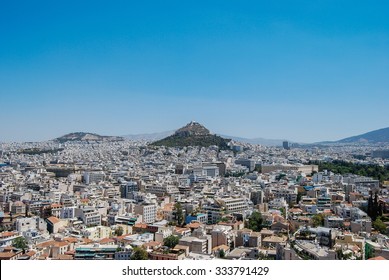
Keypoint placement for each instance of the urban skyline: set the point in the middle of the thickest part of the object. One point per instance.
(306, 73)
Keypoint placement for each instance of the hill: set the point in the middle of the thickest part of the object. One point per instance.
(85, 136)
(193, 134)
(255, 141)
(149, 136)
(160, 135)
(376, 136)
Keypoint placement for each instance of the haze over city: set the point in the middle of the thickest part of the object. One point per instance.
(307, 72)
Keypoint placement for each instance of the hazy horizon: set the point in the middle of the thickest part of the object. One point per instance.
(306, 72)
(172, 130)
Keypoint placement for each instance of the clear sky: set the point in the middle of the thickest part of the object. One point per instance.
(299, 70)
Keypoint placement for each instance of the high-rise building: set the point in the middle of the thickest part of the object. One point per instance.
(127, 190)
(148, 212)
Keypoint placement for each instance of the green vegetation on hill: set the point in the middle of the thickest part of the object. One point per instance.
(193, 140)
(193, 134)
(343, 167)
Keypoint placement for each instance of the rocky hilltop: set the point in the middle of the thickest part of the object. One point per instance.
(193, 134)
(85, 136)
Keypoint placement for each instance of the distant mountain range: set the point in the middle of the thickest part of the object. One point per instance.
(373, 137)
(193, 134)
(256, 141)
(85, 136)
(376, 136)
(149, 136)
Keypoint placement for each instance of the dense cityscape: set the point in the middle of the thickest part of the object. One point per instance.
(120, 199)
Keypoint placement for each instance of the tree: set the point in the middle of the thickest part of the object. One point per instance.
(318, 220)
(254, 222)
(179, 213)
(374, 208)
(20, 243)
(341, 167)
(222, 254)
(171, 241)
(119, 231)
(299, 197)
(139, 254)
(379, 225)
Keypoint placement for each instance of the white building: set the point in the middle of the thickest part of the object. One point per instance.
(67, 212)
(26, 224)
(148, 212)
(89, 215)
(93, 177)
(233, 205)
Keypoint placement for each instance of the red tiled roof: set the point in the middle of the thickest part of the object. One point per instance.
(71, 239)
(56, 205)
(7, 234)
(379, 258)
(106, 240)
(61, 244)
(87, 241)
(30, 253)
(152, 244)
(295, 210)
(53, 220)
(140, 225)
(7, 255)
(193, 225)
(179, 229)
(122, 237)
(46, 244)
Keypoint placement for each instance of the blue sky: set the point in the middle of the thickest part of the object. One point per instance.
(299, 70)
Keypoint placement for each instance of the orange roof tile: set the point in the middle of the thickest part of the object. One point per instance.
(8, 248)
(61, 244)
(152, 244)
(46, 244)
(106, 240)
(379, 258)
(71, 239)
(53, 220)
(87, 241)
(7, 255)
(180, 229)
(122, 237)
(193, 225)
(31, 253)
(221, 247)
(295, 210)
(7, 234)
(56, 205)
(140, 225)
